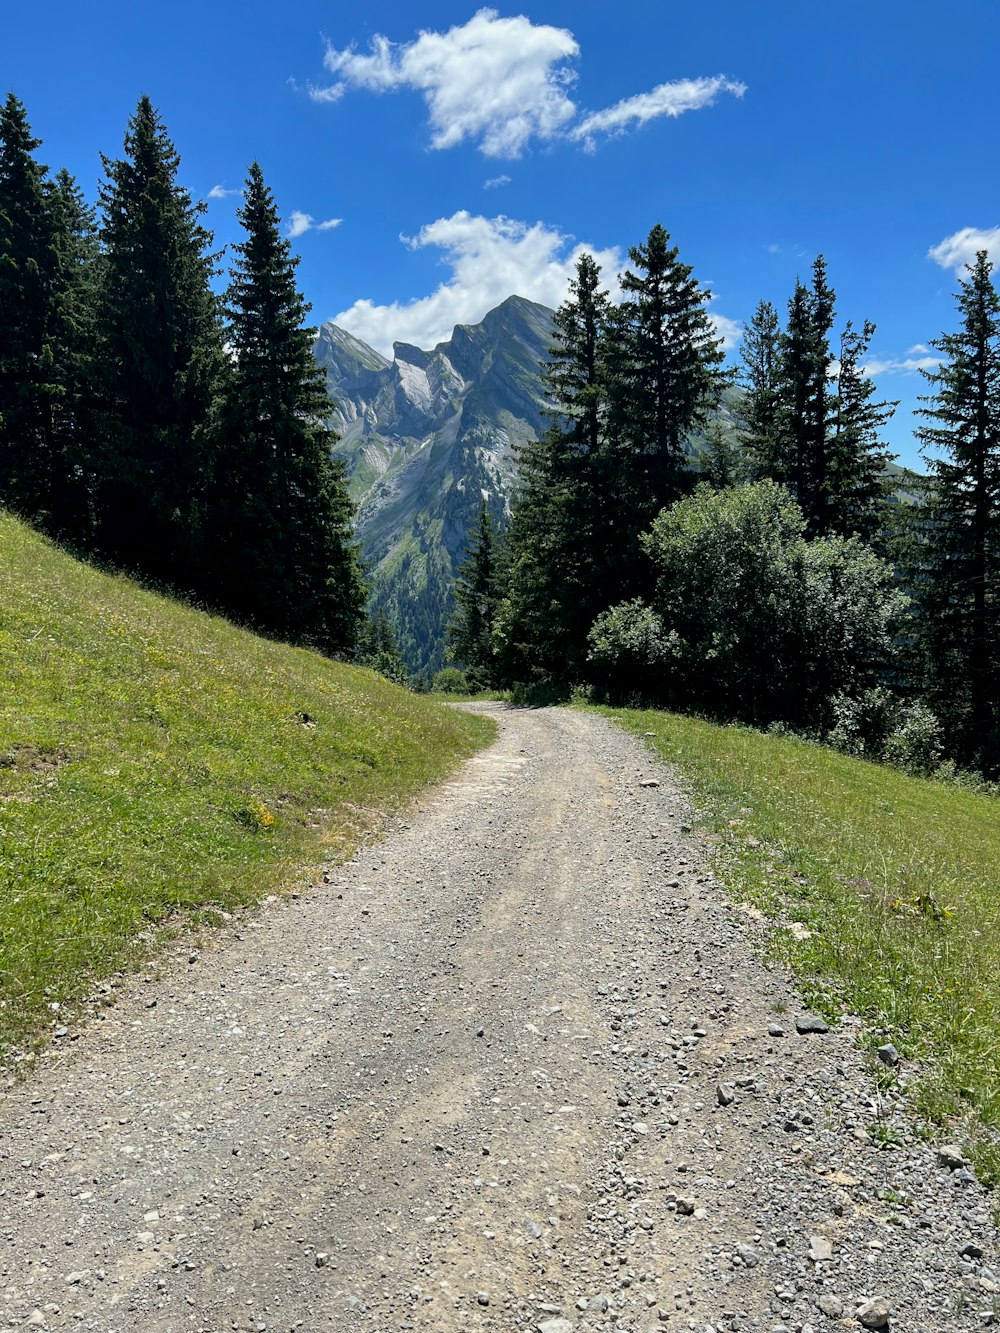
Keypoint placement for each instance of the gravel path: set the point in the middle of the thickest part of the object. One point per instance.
(513, 1067)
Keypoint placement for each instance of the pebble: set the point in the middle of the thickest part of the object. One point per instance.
(810, 1023)
(874, 1313)
(950, 1156)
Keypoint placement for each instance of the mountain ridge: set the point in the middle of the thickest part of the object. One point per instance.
(426, 437)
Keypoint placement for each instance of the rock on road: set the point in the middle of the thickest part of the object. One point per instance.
(517, 1066)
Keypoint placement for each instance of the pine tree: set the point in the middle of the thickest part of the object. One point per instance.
(378, 648)
(28, 272)
(961, 584)
(470, 630)
(858, 457)
(158, 362)
(809, 422)
(665, 359)
(722, 462)
(562, 540)
(759, 415)
(47, 268)
(281, 521)
(803, 461)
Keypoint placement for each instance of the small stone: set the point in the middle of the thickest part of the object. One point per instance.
(73, 1279)
(598, 1303)
(322, 1258)
(820, 1249)
(888, 1054)
(482, 1298)
(970, 1250)
(650, 782)
(555, 1326)
(873, 1313)
(685, 1207)
(806, 1023)
(35, 1320)
(950, 1156)
(725, 1095)
(749, 1255)
(775, 1030)
(831, 1306)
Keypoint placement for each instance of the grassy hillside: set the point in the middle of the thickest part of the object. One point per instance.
(895, 881)
(156, 760)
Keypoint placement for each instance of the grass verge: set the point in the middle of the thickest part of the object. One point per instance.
(159, 763)
(896, 881)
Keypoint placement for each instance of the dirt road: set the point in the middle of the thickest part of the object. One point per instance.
(514, 1067)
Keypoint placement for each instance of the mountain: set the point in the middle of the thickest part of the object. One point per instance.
(426, 437)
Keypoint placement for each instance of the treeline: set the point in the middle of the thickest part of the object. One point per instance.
(739, 549)
(144, 419)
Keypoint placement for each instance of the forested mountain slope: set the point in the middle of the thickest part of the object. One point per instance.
(426, 437)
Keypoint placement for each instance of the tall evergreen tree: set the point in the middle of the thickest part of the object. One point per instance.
(806, 399)
(562, 543)
(857, 454)
(29, 265)
(665, 358)
(281, 521)
(808, 419)
(47, 264)
(158, 359)
(470, 630)
(759, 415)
(960, 589)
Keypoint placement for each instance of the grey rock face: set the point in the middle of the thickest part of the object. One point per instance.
(426, 437)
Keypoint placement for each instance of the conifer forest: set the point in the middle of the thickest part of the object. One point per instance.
(726, 540)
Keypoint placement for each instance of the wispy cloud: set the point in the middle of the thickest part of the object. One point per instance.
(961, 247)
(496, 182)
(299, 223)
(668, 99)
(906, 365)
(503, 82)
(220, 192)
(490, 259)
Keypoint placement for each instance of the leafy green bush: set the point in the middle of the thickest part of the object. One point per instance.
(629, 643)
(882, 727)
(749, 620)
(451, 680)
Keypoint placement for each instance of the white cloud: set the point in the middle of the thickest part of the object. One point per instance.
(220, 192)
(502, 82)
(907, 365)
(497, 81)
(496, 182)
(490, 259)
(729, 330)
(961, 247)
(299, 223)
(668, 99)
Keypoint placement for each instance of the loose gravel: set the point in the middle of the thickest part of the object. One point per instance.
(517, 1066)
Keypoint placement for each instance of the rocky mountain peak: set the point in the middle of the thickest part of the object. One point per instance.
(426, 436)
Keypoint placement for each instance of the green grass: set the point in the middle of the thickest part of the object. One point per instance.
(897, 879)
(157, 762)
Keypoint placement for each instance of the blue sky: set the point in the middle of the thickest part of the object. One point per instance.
(458, 154)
